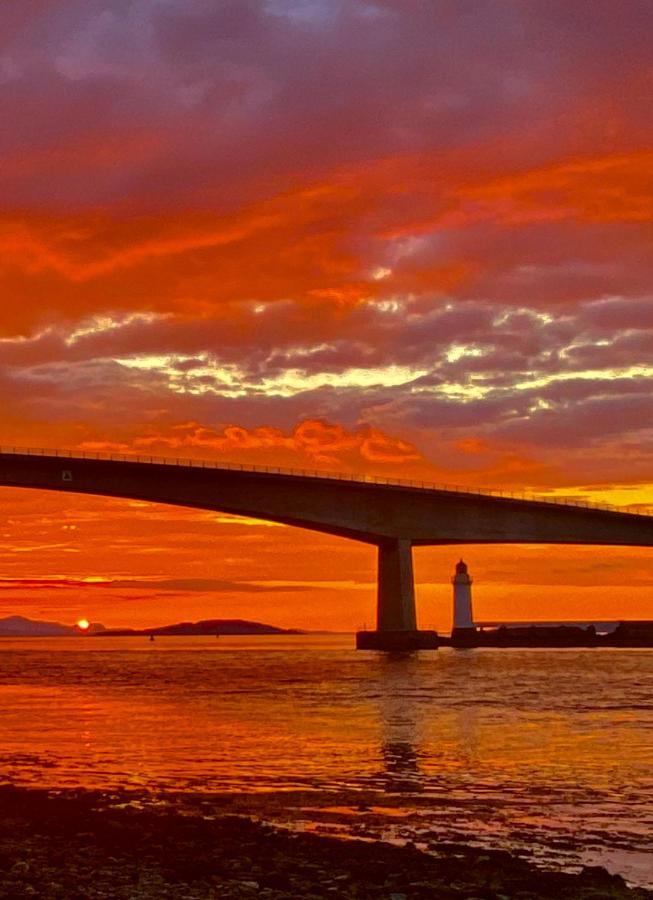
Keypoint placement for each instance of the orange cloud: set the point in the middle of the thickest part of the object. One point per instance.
(614, 188)
(312, 441)
(319, 241)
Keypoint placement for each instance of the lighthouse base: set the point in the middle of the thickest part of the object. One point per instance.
(397, 640)
(465, 637)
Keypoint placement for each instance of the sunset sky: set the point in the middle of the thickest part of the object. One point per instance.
(404, 237)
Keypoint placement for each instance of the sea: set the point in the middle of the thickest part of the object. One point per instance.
(547, 753)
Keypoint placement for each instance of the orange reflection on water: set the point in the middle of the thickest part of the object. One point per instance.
(542, 744)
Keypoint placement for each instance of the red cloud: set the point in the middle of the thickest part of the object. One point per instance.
(313, 441)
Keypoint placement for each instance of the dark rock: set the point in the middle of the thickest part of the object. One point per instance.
(600, 875)
(70, 846)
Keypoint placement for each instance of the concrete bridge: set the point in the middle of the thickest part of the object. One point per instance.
(393, 516)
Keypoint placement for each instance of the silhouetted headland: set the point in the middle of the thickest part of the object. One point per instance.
(203, 627)
(20, 626)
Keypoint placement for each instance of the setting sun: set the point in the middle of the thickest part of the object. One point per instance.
(83, 624)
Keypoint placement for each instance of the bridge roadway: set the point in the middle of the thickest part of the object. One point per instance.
(393, 516)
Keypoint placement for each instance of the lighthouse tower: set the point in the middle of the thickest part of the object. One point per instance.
(462, 598)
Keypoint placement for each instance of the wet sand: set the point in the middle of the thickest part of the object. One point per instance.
(80, 845)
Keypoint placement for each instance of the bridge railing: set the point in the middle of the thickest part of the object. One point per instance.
(317, 473)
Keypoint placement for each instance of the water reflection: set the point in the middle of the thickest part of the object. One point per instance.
(400, 722)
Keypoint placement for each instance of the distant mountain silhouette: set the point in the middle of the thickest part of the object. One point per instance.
(19, 626)
(205, 626)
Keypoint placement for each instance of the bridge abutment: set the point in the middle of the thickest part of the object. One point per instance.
(396, 619)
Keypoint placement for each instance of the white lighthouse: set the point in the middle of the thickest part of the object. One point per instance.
(462, 597)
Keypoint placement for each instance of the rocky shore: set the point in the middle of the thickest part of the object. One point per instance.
(82, 845)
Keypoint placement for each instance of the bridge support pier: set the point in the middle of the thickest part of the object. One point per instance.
(395, 598)
(396, 621)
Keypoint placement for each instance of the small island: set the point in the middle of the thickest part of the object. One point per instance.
(203, 627)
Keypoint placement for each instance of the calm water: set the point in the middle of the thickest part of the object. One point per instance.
(547, 751)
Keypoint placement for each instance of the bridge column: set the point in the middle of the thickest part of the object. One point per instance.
(396, 621)
(395, 604)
